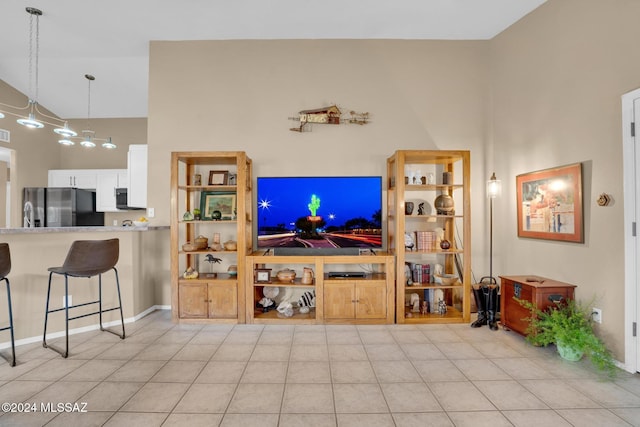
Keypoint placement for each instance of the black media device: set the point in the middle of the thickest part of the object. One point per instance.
(346, 274)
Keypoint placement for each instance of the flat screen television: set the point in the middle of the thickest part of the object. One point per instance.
(326, 214)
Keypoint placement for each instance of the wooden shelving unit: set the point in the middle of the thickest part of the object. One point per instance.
(363, 300)
(456, 228)
(213, 296)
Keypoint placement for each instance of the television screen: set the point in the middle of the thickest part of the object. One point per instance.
(319, 212)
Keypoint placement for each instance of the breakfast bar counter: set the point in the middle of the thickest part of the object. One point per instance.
(143, 269)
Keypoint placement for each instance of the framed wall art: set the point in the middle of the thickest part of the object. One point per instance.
(215, 205)
(218, 177)
(550, 204)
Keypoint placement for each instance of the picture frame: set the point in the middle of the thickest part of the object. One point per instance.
(232, 179)
(549, 204)
(262, 275)
(223, 202)
(218, 177)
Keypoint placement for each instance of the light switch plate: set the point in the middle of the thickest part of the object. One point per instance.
(151, 212)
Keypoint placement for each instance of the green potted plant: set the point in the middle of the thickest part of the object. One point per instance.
(568, 325)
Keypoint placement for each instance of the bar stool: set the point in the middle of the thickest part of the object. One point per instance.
(5, 268)
(86, 258)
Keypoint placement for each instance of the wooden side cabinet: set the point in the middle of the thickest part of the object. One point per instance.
(212, 300)
(540, 291)
(353, 300)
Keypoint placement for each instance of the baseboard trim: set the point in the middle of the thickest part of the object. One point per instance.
(88, 328)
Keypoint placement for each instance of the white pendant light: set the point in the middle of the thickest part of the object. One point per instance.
(65, 131)
(87, 142)
(108, 144)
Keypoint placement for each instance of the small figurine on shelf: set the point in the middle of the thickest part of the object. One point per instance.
(442, 307)
(415, 303)
(424, 307)
(408, 241)
(212, 260)
(421, 209)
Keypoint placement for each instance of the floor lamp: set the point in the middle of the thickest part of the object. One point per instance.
(494, 189)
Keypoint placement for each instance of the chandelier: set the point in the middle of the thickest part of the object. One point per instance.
(30, 115)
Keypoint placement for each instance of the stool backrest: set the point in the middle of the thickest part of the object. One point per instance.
(92, 257)
(5, 260)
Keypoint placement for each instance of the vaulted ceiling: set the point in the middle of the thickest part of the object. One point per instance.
(110, 39)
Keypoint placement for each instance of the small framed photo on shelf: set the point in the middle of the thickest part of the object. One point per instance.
(215, 205)
(218, 177)
(232, 179)
(262, 275)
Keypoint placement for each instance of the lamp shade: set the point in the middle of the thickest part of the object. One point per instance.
(494, 187)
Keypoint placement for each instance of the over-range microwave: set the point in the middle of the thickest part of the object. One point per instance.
(122, 200)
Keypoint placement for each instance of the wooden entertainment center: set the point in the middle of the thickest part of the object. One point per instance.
(229, 288)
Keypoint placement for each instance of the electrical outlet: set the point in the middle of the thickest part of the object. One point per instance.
(64, 301)
(151, 212)
(596, 315)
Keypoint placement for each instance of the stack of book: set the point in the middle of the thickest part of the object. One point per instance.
(421, 273)
(425, 240)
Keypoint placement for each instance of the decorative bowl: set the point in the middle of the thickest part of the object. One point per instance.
(232, 270)
(189, 246)
(447, 279)
(230, 245)
(202, 242)
(286, 275)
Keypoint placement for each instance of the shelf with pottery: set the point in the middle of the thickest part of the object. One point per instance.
(354, 300)
(221, 238)
(443, 217)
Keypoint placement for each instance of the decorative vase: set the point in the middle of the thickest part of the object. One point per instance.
(408, 208)
(444, 204)
(568, 353)
(445, 245)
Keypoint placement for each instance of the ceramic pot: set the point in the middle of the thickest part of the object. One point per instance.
(568, 353)
(286, 275)
(307, 276)
(408, 208)
(444, 204)
(445, 245)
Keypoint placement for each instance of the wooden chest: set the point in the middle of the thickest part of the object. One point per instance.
(538, 290)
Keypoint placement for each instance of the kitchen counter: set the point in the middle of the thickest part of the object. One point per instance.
(85, 229)
(143, 269)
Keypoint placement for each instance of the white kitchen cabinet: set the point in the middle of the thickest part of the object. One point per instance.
(75, 178)
(107, 182)
(137, 169)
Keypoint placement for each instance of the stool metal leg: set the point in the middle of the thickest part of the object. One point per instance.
(64, 353)
(46, 313)
(122, 336)
(10, 327)
(119, 302)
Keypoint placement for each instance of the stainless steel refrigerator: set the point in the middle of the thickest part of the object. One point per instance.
(60, 207)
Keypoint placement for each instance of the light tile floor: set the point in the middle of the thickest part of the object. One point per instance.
(165, 374)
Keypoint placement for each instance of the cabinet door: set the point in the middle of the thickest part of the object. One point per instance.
(137, 167)
(60, 178)
(339, 300)
(223, 301)
(106, 192)
(74, 178)
(371, 300)
(86, 179)
(192, 300)
(107, 182)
